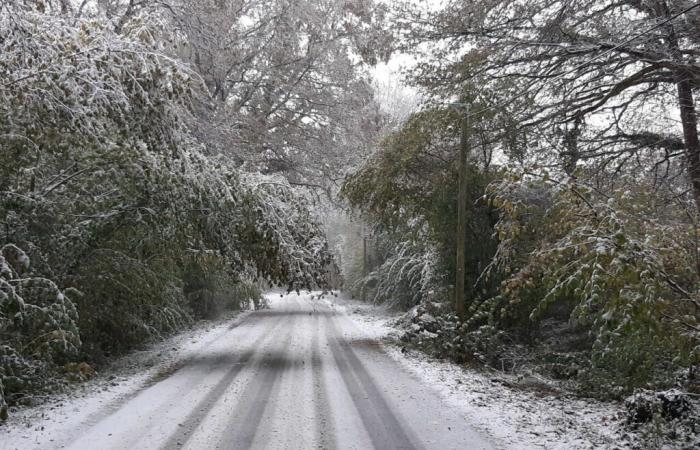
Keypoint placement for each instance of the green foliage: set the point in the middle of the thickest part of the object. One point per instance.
(123, 293)
(592, 287)
(597, 284)
(210, 289)
(280, 235)
(398, 183)
(621, 265)
(407, 275)
(38, 327)
(409, 190)
(435, 329)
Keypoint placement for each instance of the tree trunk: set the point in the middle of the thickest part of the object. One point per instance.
(689, 120)
(686, 106)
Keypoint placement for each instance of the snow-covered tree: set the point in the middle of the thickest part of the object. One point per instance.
(286, 91)
(108, 188)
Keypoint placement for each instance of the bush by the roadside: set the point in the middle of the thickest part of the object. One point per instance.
(38, 329)
(434, 328)
(662, 416)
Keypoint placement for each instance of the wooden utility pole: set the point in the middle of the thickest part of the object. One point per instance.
(460, 301)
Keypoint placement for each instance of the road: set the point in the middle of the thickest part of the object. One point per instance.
(300, 375)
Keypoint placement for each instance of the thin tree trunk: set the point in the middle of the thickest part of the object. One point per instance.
(689, 120)
(686, 106)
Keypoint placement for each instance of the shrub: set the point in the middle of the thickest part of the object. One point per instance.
(38, 328)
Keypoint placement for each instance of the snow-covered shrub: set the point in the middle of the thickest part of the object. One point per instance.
(87, 121)
(620, 265)
(643, 405)
(126, 302)
(435, 329)
(658, 416)
(407, 276)
(35, 311)
(105, 185)
(600, 289)
(23, 376)
(283, 240)
(38, 328)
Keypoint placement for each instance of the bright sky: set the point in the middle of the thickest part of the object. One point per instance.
(388, 75)
(398, 61)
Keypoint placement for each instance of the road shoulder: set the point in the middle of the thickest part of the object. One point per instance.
(492, 401)
(45, 425)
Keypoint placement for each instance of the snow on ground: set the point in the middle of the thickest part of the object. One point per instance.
(299, 375)
(119, 381)
(518, 418)
(492, 402)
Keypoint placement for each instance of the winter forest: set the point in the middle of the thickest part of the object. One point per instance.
(164, 162)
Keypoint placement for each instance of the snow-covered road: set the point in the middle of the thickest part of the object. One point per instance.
(299, 375)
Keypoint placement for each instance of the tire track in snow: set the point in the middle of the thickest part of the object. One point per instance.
(292, 379)
(123, 401)
(379, 420)
(206, 404)
(324, 421)
(257, 394)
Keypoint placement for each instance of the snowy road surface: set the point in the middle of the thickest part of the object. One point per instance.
(300, 375)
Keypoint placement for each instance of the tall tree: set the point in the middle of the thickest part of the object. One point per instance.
(621, 74)
(286, 88)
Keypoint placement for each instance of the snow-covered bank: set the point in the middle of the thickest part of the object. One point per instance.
(494, 402)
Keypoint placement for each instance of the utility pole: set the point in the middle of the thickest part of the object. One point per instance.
(460, 301)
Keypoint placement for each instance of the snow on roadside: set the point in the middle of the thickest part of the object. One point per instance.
(39, 426)
(517, 418)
